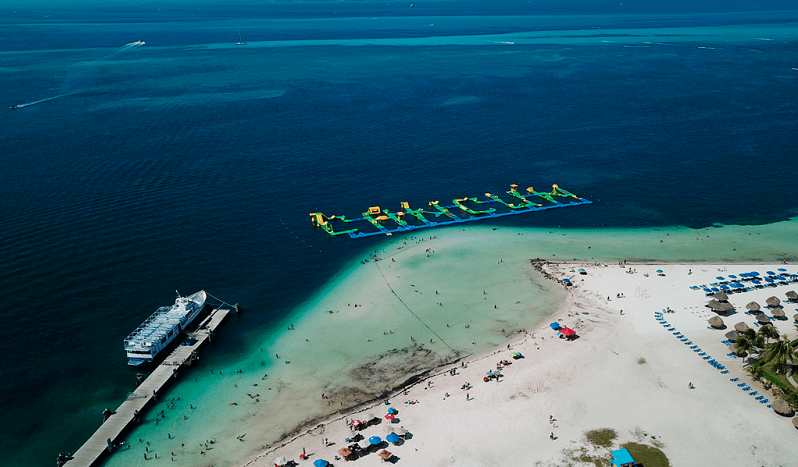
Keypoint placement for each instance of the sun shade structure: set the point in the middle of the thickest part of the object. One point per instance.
(782, 407)
(773, 301)
(753, 306)
(392, 438)
(721, 297)
(320, 463)
(281, 461)
(715, 322)
(717, 306)
(792, 296)
(732, 335)
(795, 422)
(375, 440)
(762, 319)
(741, 327)
(778, 313)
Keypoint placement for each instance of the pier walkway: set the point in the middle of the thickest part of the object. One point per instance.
(97, 445)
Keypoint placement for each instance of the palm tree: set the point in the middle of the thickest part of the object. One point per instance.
(768, 332)
(780, 353)
(744, 344)
(755, 371)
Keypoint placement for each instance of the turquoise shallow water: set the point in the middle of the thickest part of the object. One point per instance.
(191, 163)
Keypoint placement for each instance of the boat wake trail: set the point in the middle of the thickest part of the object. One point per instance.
(27, 104)
(124, 48)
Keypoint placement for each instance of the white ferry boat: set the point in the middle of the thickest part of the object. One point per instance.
(154, 334)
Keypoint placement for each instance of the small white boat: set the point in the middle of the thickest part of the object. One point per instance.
(154, 334)
(240, 41)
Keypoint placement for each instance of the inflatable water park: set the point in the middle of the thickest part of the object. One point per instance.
(377, 221)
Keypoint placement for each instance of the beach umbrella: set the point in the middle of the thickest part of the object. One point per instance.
(781, 406)
(282, 460)
(715, 322)
(391, 410)
(732, 335)
(756, 282)
(795, 422)
(741, 327)
(781, 269)
(392, 438)
(778, 312)
(754, 274)
(720, 278)
(659, 271)
(721, 296)
(769, 280)
(554, 325)
(390, 416)
(320, 463)
(732, 276)
(753, 306)
(763, 319)
(375, 440)
(773, 301)
(719, 306)
(770, 273)
(792, 296)
(795, 317)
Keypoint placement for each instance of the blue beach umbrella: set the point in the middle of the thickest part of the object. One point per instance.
(391, 410)
(392, 438)
(554, 326)
(756, 282)
(770, 273)
(374, 440)
(782, 270)
(320, 463)
(754, 274)
(769, 280)
(720, 278)
(781, 278)
(732, 276)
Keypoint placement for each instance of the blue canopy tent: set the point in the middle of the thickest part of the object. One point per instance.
(375, 440)
(621, 457)
(392, 438)
(554, 326)
(320, 463)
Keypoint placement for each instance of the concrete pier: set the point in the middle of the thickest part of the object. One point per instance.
(97, 445)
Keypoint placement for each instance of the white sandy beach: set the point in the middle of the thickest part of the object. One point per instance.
(625, 371)
(487, 289)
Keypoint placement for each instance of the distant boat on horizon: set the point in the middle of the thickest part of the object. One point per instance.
(240, 41)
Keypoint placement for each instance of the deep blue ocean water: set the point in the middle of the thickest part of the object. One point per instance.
(180, 166)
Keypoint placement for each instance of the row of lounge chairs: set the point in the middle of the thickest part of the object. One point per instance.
(695, 348)
(719, 366)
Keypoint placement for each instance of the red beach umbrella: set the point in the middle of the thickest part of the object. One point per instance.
(390, 416)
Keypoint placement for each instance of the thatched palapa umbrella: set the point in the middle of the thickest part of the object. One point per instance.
(719, 307)
(795, 317)
(721, 297)
(753, 306)
(792, 296)
(778, 312)
(781, 406)
(715, 322)
(763, 319)
(773, 301)
(795, 422)
(741, 327)
(732, 335)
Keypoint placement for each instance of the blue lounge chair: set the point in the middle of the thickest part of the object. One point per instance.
(741, 384)
(724, 372)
